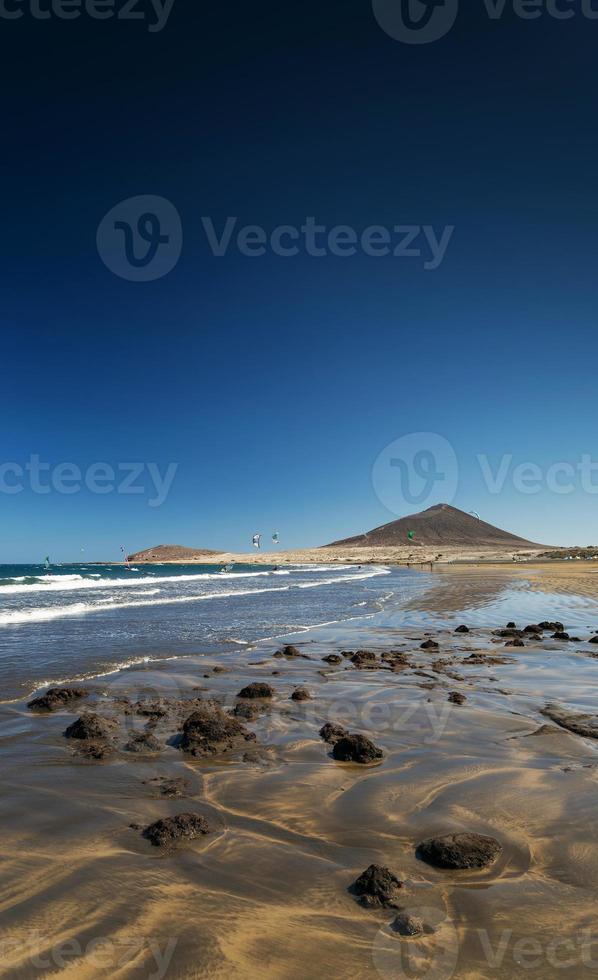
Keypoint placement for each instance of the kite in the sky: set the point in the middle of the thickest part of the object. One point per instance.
(257, 540)
(474, 513)
(411, 535)
(275, 538)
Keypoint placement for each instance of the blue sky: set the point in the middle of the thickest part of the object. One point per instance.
(274, 383)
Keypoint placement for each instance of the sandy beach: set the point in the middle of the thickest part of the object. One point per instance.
(405, 555)
(465, 748)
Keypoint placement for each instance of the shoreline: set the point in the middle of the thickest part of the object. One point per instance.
(465, 748)
(400, 557)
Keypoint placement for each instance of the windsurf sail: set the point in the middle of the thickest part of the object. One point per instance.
(47, 561)
(257, 541)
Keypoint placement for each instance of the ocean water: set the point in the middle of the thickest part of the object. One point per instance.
(76, 622)
(79, 621)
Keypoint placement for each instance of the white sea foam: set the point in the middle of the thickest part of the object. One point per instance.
(38, 614)
(71, 583)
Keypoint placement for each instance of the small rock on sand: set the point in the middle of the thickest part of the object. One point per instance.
(259, 689)
(515, 642)
(57, 698)
(378, 886)
(356, 748)
(143, 742)
(559, 635)
(91, 726)
(455, 697)
(555, 627)
(291, 651)
(364, 660)
(459, 851)
(209, 731)
(96, 749)
(333, 658)
(301, 694)
(462, 629)
(185, 826)
(248, 711)
(408, 925)
(593, 639)
(331, 733)
(429, 645)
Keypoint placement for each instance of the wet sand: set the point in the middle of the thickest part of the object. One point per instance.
(266, 893)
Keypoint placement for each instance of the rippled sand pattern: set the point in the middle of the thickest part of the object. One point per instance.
(83, 895)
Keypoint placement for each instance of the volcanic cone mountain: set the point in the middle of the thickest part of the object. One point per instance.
(441, 525)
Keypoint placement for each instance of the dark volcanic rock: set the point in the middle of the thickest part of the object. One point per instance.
(593, 639)
(291, 651)
(331, 733)
(57, 698)
(143, 742)
(209, 731)
(356, 748)
(408, 925)
(301, 694)
(455, 697)
(259, 689)
(510, 631)
(364, 660)
(185, 826)
(488, 659)
(91, 726)
(155, 709)
(93, 748)
(580, 724)
(515, 642)
(462, 629)
(559, 635)
(511, 625)
(333, 658)
(532, 628)
(248, 710)
(378, 886)
(429, 645)
(459, 851)
(555, 627)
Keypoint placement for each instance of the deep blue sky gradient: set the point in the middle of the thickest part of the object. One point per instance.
(274, 383)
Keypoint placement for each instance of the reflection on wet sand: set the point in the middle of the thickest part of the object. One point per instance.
(267, 892)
